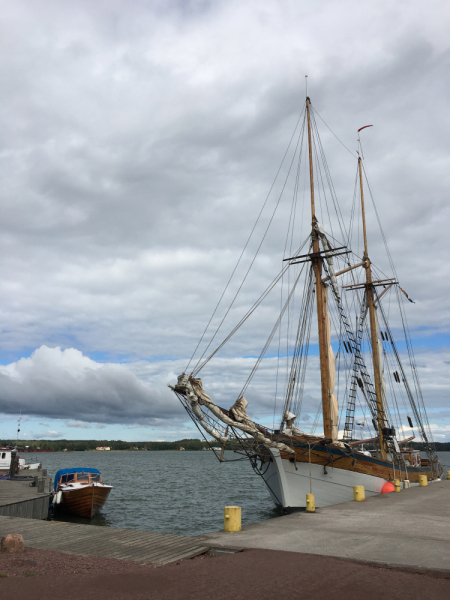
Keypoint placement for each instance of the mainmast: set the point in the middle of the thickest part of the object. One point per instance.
(317, 265)
(373, 328)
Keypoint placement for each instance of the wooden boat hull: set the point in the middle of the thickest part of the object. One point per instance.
(333, 474)
(85, 501)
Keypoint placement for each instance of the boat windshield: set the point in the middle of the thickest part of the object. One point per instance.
(96, 477)
(82, 476)
(67, 478)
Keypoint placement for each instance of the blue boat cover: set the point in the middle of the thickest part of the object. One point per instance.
(74, 470)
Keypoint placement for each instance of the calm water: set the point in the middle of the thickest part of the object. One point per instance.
(172, 492)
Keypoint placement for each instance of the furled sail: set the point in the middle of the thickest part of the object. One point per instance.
(192, 389)
(326, 246)
(334, 406)
(380, 362)
(290, 429)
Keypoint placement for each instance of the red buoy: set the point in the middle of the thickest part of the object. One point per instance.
(388, 487)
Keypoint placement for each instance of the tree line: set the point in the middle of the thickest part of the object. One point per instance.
(187, 444)
(86, 445)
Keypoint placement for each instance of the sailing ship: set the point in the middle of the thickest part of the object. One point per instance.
(80, 491)
(361, 371)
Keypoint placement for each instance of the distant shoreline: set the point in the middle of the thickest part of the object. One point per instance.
(45, 446)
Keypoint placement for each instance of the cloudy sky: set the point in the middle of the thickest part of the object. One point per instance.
(138, 142)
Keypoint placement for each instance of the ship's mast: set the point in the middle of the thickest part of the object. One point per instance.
(317, 265)
(373, 328)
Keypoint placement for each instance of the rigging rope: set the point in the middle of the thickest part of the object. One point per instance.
(245, 317)
(272, 333)
(244, 249)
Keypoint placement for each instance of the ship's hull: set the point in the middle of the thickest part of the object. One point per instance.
(289, 481)
(86, 500)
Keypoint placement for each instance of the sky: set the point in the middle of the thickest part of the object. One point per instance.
(138, 142)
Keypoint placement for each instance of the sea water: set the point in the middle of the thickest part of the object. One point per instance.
(172, 491)
(169, 491)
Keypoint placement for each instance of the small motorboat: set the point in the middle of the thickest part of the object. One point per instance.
(80, 491)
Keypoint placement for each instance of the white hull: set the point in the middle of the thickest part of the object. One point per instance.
(5, 462)
(30, 466)
(289, 483)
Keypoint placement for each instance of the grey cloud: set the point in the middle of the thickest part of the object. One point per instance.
(133, 171)
(137, 145)
(45, 435)
(67, 385)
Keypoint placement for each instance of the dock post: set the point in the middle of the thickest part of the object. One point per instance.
(41, 485)
(423, 481)
(358, 493)
(397, 485)
(14, 464)
(232, 519)
(448, 474)
(406, 484)
(310, 503)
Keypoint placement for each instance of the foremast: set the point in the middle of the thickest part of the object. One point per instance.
(317, 262)
(373, 328)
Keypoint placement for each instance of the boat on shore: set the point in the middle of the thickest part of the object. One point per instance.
(80, 491)
(359, 369)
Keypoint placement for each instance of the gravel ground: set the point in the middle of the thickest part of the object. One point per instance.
(34, 562)
(261, 574)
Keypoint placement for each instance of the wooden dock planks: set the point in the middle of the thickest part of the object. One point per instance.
(19, 499)
(90, 540)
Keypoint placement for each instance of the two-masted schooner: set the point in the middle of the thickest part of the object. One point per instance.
(363, 352)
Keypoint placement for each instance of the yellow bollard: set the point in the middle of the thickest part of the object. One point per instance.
(397, 485)
(310, 503)
(406, 484)
(232, 519)
(423, 481)
(448, 474)
(358, 493)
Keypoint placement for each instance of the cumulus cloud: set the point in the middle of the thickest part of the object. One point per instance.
(45, 435)
(64, 384)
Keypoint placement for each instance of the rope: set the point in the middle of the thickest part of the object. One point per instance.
(245, 247)
(246, 316)
(272, 333)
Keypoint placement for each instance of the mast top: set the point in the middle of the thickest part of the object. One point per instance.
(363, 212)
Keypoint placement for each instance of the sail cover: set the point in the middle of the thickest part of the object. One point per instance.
(380, 363)
(333, 401)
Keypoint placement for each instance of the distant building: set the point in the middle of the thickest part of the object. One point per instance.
(103, 448)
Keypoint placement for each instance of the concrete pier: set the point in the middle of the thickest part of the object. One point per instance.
(409, 529)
